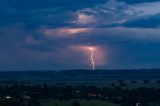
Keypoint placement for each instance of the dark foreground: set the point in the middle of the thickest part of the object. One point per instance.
(81, 88)
(44, 95)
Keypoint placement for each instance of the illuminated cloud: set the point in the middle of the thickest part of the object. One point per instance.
(32, 41)
(84, 19)
(64, 32)
(108, 14)
(115, 13)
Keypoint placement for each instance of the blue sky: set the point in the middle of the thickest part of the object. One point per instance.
(57, 34)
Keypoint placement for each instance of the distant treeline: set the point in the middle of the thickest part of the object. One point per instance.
(81, 74)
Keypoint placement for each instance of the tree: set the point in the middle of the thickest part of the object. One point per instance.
(76, 103)
(145, 81)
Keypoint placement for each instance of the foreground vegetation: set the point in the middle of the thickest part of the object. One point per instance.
(76, 102)
(44, 95)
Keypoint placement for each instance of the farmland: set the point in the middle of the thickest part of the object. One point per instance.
(81, 102)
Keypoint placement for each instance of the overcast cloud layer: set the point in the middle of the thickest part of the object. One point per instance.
(48, 34)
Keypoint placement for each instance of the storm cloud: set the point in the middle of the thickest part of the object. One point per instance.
(48, 34)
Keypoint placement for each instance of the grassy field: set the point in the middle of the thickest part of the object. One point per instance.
(82, 103)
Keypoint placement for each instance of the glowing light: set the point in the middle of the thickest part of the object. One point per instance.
(26, 97)
(8, 97)
(92, 57)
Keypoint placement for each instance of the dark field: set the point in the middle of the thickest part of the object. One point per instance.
(100, 78)
(80, 101)
(80, 88)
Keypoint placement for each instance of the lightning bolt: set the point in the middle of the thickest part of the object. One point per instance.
(91, 57)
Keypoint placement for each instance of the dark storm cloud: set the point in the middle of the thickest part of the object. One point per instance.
(141, 54)
(40, 12)
(43, 34)
(58, 13)
(41, 4)
(152, 21)
(35, 18)
(137, 1)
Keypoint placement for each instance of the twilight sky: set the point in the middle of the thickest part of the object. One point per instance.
(58, 34)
